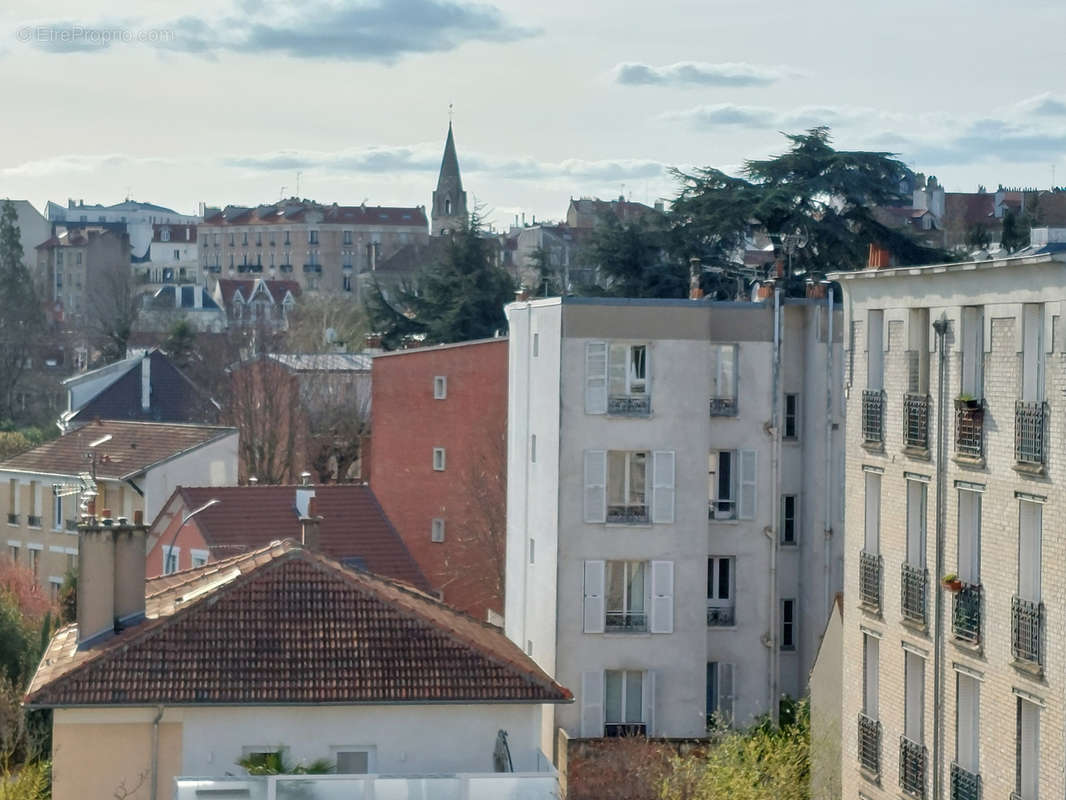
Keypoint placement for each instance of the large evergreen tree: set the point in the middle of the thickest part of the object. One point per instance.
(631, 260)
(21, 318)
(458, 297)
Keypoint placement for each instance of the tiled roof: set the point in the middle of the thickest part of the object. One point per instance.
(323, 362)
(353, 524)
(289, 212)
(179, 233)
(228, 287)
(288, 626)
(133, 448)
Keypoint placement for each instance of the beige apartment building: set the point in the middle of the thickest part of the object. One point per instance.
(954, 651)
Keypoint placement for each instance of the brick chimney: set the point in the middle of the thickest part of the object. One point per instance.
(309, 525)
(111, 573)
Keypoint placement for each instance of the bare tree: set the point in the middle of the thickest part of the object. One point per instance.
(327, 324)
(113, 305)
(263, 402)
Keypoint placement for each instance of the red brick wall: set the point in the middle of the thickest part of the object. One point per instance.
(163, 532)
(470, 493)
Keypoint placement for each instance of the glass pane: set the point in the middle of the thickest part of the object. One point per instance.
(725, 476)
(726, 371)
(634, 696)
(638, 464)
(636, 586)
(355, 762)
(637, 368)
(616, 369)
(723, 579)
(616, 477)
(615, 585)
(613, 707)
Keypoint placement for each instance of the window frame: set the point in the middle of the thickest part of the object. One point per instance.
(437, 530)
(789, 625)
(627, 610)
(791, 418)
(168, 551)
(622, 724)
(627, 479)
(440, 387)
(368, 749)
(439, 459)
(790, 519)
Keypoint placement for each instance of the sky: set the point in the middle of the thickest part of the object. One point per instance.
(235, 101)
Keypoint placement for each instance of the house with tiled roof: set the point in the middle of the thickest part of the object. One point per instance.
(131, 466)
(257, 301)
(282, 655)
(239, 519)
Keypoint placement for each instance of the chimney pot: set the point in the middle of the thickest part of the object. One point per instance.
(305, 478)
(138, 517)
(253, 481)
(309, 526)
(106, 513)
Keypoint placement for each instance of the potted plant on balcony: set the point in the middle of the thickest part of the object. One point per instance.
(951, 582)
(967, 402)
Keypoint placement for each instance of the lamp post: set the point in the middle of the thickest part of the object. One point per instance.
(166, 553)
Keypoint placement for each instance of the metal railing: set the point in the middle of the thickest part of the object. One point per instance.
(965, 785)
(911, 767)
(914, 582)
(870, 745)
(966, 614)
(1027, 630)
(870, 580)
(723, 406)
(626, 622)
(1030, 427)
(33, 521)
(970, 431)
(627, 514)
(629, 405)
(873, 416)
(916, 421)
(12, 519)
(720, 616)
(72, 525)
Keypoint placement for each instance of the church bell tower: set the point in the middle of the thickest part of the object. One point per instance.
(449, 199)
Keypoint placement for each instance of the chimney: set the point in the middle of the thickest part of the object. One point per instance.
(146, 382)
(253, 481)
(111, 573)
(309, 525)
(765, 291)
(659, 206)
(304, 493)
(695, 266)
(816, 291)
(521, 295)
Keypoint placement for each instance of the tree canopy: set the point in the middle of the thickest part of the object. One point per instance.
(631, 259)
(21, 318)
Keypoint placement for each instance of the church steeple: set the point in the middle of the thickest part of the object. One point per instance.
(449, 200)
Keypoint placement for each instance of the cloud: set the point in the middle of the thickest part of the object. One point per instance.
(1044, 105)
(75, 163)
(343, 30)
(732, 115)
(699, 73)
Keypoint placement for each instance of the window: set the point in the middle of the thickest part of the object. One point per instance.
(198, 557)
(623, 703)
(263, 762)
(872, 532)
(312, 237)
(723, 379)
(57, 511)
(13, 551)
(164, 235)
(791, 416)
(732, 484)
(626, 496)
(616, 379)
(171, 557)
(1027, 751)
(1029, 535)
(244, 238)
(33, 519)
(35, 562)
(259, 238)
(346, 283)
(789, 520)
(916, 493)
(352, 761)
(973, 351)
(720, 582)
(788, 624)
(875, 353)
(969, 537)
(347, 237)
(615, 486)
(440, 387)
(967, 723)
(719, 693)
(438, 459)
(12, 501)
(532, 551)
(436, 530)
(625, 601)
(1033, 353)
(918, 351)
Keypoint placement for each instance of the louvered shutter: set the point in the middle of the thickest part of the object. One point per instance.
(595, 486)
(662, 502)
(594, 583)
(649, 703)
(662, 596)
(591, 704)
(725, 692)
(749, 484)
(596, 378)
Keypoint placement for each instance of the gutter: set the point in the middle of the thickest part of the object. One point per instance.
(772, 533)
(941, 328)
(827, 509)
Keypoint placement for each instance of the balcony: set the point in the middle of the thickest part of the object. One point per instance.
(626, 622)
(33, 521)
(285, 267)
(873, 416)
(914, 584)
(916, 421)
(969, 430)
(723, 406)
(1027, 630)
(313, 268)
(870, 745)
(911, 767)
(965, 785)
(627, 515)
(620, 729)
(12, 519)
(720, 616)
(870, 580)
(72, 526)
(966, 614)
(629, 405)
(1030, 433)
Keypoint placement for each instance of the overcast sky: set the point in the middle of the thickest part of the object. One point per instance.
(224, 102)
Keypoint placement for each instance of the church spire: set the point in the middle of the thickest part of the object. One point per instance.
(449, 200)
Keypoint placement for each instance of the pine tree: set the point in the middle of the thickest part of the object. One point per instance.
(630, 260)
(21, 319)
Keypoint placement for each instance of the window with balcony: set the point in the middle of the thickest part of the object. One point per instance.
(616, 379)
(732, 484)
(916, 398)
(627, 498)
(789, 520)
(33, 519)
(869, 718)
(13, 501)
(965, 772)
(723, 380)
(624, 703)
(1027, 610)
(720, 591)
(35, 561)
(57, 511)
(1030, 413)
(1027, 751)
(719, 693)
(912, 754)
(873, 395)
(969, 405)
(870, 557)
(628, 597)
(625, 600)
(618, 489)
(913, 573)
(966, 603)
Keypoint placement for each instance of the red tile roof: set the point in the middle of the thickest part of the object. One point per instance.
(353, 525)
(277, 289)
(133, 448)
(288, 626)
(290, 212)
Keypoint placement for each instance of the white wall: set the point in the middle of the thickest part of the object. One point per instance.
(214, 464)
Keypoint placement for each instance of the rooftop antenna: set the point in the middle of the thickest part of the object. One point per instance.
(281, 194)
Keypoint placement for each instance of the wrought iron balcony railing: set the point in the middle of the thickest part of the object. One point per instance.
(12, 519)
(626, 622)
(870, 745)
(870, 580)
(873, 416)
(966, 614)
(911, 767)
(723, 406)
(970, 431)
(627, 514)
(1030, 427)
(629, 405)
(1027, 630)
(965, 785)
(720, 616)
(914, 582)
(33, 521)
(916, 421)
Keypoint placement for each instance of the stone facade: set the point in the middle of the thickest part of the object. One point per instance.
(939, 714)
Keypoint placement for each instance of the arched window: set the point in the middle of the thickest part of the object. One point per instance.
(448, 206)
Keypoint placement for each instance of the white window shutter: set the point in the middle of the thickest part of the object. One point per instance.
(662, 500)
(649, 703)
(662, 596)
(596, 378)
(749, 474)
(594, 584)
(595, 486)
(591, 704)
(725, 692)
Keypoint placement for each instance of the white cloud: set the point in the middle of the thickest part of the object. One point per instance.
(699, 73)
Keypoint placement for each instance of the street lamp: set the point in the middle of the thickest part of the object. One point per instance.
(166, 553)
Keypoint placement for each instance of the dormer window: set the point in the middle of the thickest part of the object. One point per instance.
(164, 235)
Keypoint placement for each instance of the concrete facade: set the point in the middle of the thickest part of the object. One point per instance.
(954, 693)
(697, 650)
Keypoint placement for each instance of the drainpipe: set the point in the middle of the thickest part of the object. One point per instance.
(941, 328)
(772, 532)
(827, 509)
(153, 791)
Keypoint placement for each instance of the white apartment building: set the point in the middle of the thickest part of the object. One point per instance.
(673, 512)
(954, 654)
(137, 220)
